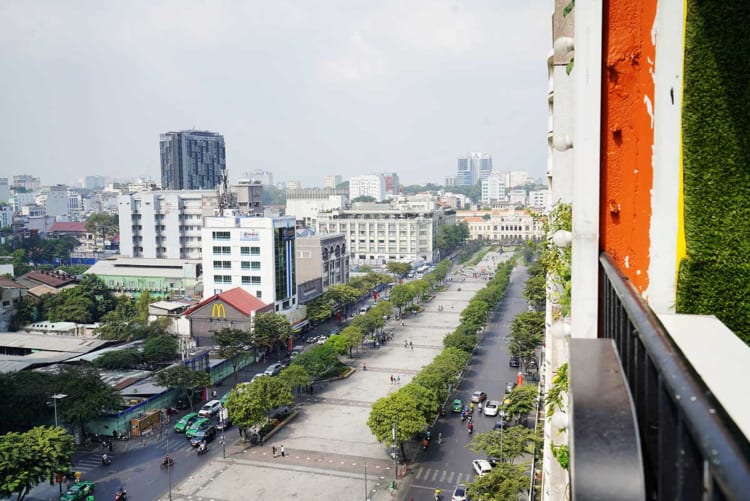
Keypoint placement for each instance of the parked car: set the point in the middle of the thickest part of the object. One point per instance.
(257, 376)
(478, 396)
(187, 420)
(207, 434)
(457, 405)
(481, 467)
(210, 408)
(322, 339)
(199, 424)
(509, 386)
(78, 491)
(274, 369)
(514, 362)
(491, 408)
(459, 493)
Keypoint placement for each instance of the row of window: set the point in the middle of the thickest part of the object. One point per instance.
(244, 251)
(245, 265)
(246, 280)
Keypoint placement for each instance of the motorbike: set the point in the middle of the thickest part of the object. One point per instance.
(471, 428)
(106, 460)
(121, 495)
(167, 462)
(442, 411)
(202, 449)
(425, 444)
(463, 416)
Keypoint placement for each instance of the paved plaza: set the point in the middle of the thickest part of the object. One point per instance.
(330, 451)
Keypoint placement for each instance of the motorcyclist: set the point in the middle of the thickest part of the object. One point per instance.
(471, 427)
(106, 459)
(364, 366)
(121, 494)
(425, 443)
(167, 460)
(202, 447)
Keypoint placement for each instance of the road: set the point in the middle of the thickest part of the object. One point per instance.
(445, 465)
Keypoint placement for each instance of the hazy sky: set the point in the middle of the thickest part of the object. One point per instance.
(302, 88)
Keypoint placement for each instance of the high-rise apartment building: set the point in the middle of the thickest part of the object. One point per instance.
(27, 182)
(493, 188)
(56, 200)
(472, 168)
(191, 160)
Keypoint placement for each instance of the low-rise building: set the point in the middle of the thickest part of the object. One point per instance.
(322, 261)
(502, 225)
(161, 277)
(305, 204)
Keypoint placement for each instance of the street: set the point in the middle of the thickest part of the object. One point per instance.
(445, 465)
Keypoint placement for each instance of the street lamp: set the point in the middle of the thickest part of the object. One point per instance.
(502, 431)
(55, 398)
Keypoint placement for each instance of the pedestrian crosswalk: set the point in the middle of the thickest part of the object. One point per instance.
(92, 460)
(440, 476)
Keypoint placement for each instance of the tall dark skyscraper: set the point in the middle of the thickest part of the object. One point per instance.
(191, 160)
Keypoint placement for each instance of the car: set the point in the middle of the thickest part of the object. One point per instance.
(509, 386)
(210, 408)
(459, 493)
(78, 491)
(491, 408)
(514, 362)
(207, 434)
(457, 405)
(322, 339)
(481, 467)
(199, 424)
(296, 352)
(333, 332)
(224, 399)
(274, 369)
(478, 396)
(224, 424)
(258, 376)
(493, 460)
(183, 424)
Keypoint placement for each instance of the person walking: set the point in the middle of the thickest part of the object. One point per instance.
(283, 453)
(411, 344)
(273, 449)
(391, 378)
(398, 379)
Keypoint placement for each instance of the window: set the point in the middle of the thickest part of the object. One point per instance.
(222, 265)
(222, 250)
(223, 279)
(245, 265)
(220, 235)
(245, 251)
(254, 265)
(246, 280)
(259, 294)
(255, 251)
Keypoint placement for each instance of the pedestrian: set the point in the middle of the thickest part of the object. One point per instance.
(213, 394)
(406, 343)
(391, 378)
(283, 454)
(411, 343)
(273, 449)
(398, 378)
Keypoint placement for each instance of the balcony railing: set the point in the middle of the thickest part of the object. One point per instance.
(691, 448)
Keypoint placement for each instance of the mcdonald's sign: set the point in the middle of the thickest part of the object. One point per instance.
(218, 310)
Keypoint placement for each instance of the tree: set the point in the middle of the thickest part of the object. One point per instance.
(401, 295)
(270, 329)
(295, 376)
(523, 400)
(398, 269)
(535, 291)
(160, 349)
(23, 399)
(30, 458)
(338, 343)
(233, 343)
(353, 337)
(462, 341)
(526, 333)
(119, 359)
(251, 403)
(318, 361)
(396, 410)
(508, 444)
(88, 396)
(141, 307)
(504, 482)
(103, 225)
(364, 198)
(425, 400)
(184, 380)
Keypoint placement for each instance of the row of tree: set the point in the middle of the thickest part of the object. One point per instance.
(339, 298)
(415, 405)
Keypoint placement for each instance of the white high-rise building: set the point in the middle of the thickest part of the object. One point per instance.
(473, 167)
(372, 185)
(255, 253)
(539, 199)
(493, 188)
(164, 224)
(56, 200)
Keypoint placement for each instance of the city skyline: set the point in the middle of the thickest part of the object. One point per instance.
(303, 92)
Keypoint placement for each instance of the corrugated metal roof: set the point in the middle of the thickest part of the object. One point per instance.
(51, 342)
(111, 267)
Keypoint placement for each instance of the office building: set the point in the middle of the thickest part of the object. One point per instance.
(402, 230)
(493, 188)
(371, 185)
(248, 197)
(191, 160)
(472, 168)
(332, 181)
(4, 190)
(322, 261)
(27, 182)
(539, 199)
(255, 253)
(56, 200)
(305, 204)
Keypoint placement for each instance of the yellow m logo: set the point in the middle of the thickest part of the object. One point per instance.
(218, 311)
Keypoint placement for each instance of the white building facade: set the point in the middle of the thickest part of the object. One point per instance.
(372, 185)
(502, 225)
(305, 204)
(255, 253)
(379, 233)
(493, 188)
(164, 224)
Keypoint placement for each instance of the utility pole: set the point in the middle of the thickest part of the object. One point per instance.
(366, 491)
(55, 398)
(395, 456)
(169, 469)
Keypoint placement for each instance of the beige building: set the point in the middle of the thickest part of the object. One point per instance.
(502, 225)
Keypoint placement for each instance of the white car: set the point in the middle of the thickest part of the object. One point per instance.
(459, 493)
(211, 408)
(481, 466)
(274, 369)
(491, 408)
(258, 376)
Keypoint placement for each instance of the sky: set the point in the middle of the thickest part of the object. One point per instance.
(302, 88)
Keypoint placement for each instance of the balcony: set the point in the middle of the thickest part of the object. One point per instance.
(657, 413)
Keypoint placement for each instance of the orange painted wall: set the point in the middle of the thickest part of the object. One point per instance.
(627, 135)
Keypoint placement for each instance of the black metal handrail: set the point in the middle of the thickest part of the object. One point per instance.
(691, 448)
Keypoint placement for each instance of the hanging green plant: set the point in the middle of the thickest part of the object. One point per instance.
(556, 390)
(562, 454)
(569, 8)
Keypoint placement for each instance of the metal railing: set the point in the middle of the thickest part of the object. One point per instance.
(691, 448)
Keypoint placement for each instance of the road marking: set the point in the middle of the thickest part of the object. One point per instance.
(434, 475)
(450, 477)
(442, 477)
(419, 473)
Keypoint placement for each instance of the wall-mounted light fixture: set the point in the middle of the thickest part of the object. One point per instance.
(562, 238)
(564, 46)
(562, 142)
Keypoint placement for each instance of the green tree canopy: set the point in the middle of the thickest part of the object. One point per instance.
(526, 333)
(523, 399)
(88, 396)
(233, 344)
(103, 225)
(508, 444)
(251, 403)
(160, 349)
(184, 380)
(30, 458)
(141, 306)
(295, 376)
(397, 409)
(271, 329)
(119, 359)
(504, 482)
(398, 269)
(318, 361)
